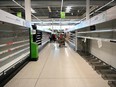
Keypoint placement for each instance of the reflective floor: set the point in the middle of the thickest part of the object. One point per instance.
(57, 67)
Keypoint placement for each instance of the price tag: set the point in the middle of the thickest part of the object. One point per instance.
(99, 43)
(85, 40)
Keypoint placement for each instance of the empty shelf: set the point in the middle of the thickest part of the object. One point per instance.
(109, 76)
(100, 66)
(106, 71)
(91, 59)
(112, 83)
(96, 63)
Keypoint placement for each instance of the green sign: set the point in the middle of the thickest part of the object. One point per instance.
(19, 14)
(62, 14)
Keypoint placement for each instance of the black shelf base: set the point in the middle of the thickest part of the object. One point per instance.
(12, 72)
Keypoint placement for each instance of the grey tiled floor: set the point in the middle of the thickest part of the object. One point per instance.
(57, 67)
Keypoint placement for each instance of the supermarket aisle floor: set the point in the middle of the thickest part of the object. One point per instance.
(57, 67)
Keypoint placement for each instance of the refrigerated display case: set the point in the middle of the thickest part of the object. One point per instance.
(14, 48)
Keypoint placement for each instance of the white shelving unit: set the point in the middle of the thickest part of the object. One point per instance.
(45, 38)
(99, 40)
(14, 43)
(42, 38)
(71, 39)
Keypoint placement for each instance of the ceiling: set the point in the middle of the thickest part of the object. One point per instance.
(41, 7)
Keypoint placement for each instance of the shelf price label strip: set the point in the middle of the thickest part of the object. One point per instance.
(13, 43)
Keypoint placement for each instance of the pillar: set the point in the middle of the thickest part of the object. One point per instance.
(87, 9)
(28, 10)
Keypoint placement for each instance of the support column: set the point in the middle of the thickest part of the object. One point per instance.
(87, 9)
(28, 10)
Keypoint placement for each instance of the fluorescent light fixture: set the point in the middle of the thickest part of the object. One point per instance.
(49, 9)
(32, 10)
(68, 9)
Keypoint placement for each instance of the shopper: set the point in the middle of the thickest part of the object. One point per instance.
(61, 40)
(50, 37)
(54, 37)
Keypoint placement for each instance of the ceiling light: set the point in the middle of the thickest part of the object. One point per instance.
(68, 9)
(49, 9)
(33, 11)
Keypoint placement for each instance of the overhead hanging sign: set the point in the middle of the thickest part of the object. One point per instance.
(19, 14)
(62, 15)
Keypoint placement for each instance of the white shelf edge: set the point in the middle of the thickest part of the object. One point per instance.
(71, 43)
(10, 18)
(101, 31)
(13, 62)
(105, 16)
(45, 42)
(93, 38)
